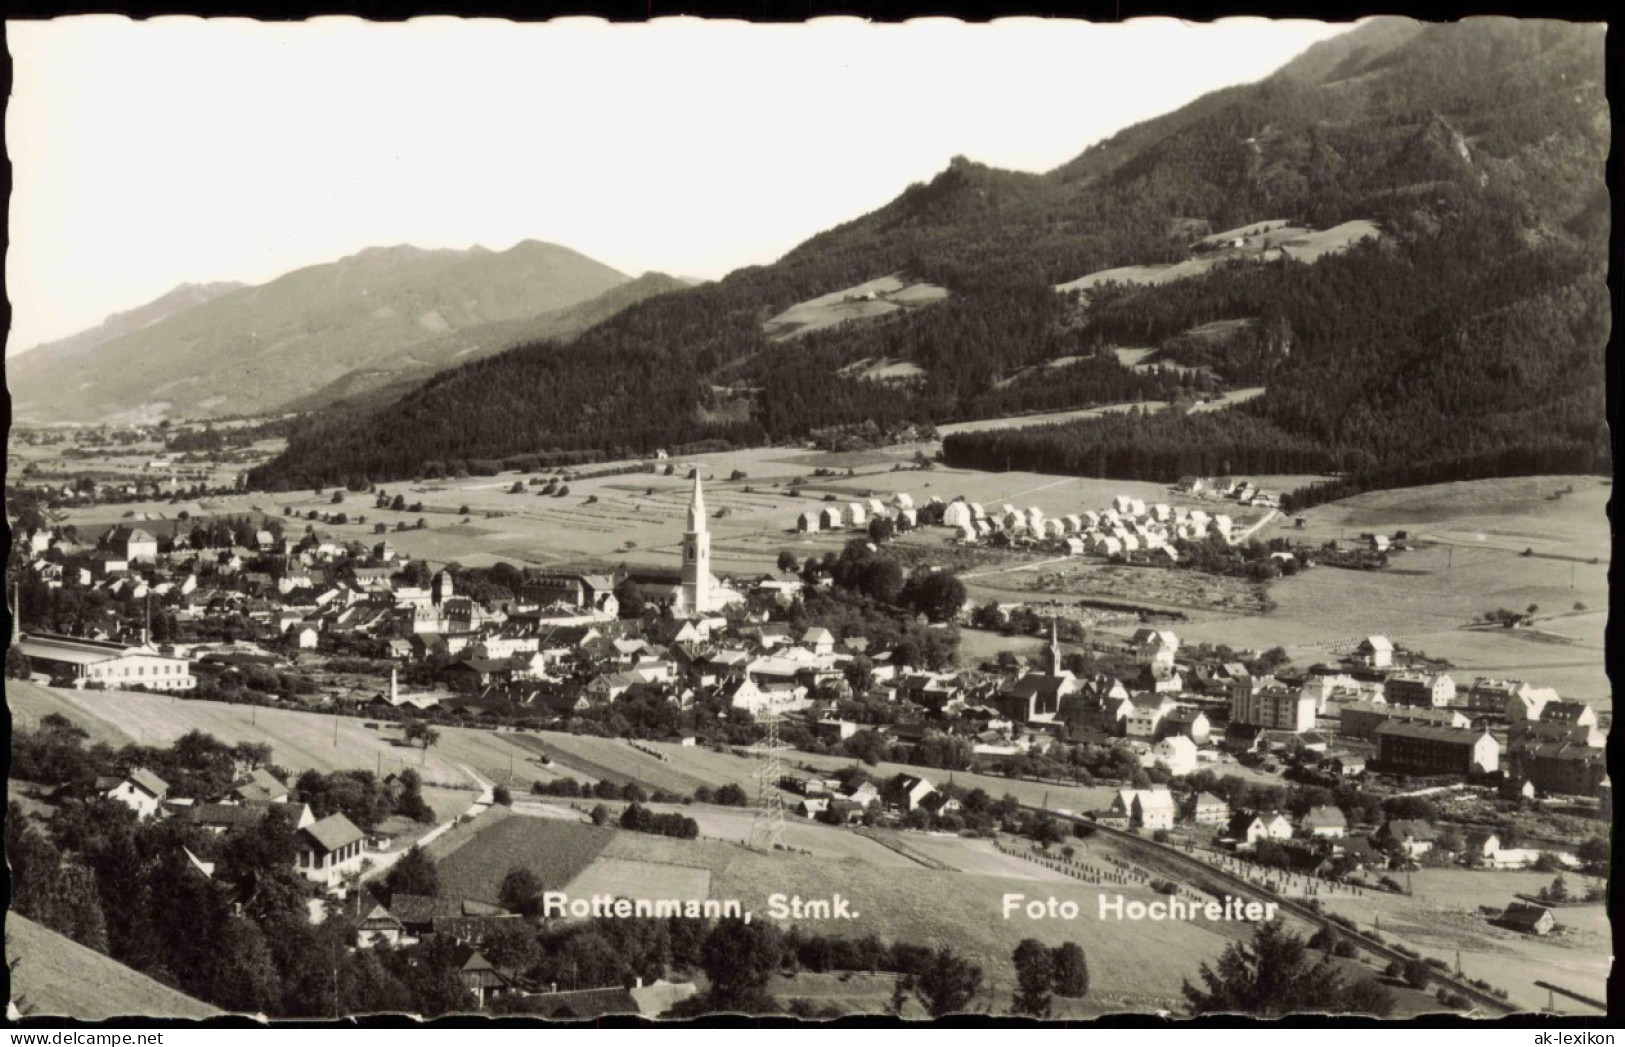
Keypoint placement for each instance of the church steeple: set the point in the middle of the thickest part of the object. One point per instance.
(696, 508)
(697, 597)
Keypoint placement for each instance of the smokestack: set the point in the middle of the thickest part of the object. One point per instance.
(393, 687)
(16, 613)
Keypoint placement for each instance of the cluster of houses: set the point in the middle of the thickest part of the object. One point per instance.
(1126, 526)
(1228, 488)
(1321, 838)
(332, 853)
(328, 851)
(828, 800)
(836, 516)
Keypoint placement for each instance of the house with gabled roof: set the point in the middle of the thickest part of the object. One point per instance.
(1529, 918)
(906, 792)
(140, 790)
(1249, 828)
(1325, 822)
(1412, 835)
(329, 850)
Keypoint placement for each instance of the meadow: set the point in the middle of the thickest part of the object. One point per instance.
(556, 851)
(1442, 919)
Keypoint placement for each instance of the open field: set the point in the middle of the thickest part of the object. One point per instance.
(980, 857)
(1139, 970)
(630, 878)
(556, 851)
(1150, 407)
(873, 298)
(1472, 537)
(1256, 241)
(298, 740)
(30, 703)
(607, 759)
(1443, 917)
(58, 976)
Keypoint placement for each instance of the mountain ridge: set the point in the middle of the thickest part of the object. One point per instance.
(1476, 148)
(249, 349)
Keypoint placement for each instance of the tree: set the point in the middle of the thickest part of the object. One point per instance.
(511, 945)
(1272, 976)
(1594, 853)
(938, 595)
(1416, 974)
(599, 814)
(502, 796)
(788, 561)
(630, 597)
(881, 530)
(1035, 976)
(1071, 970)
(738, 958)
(521, 892)
(414, 873)
(243, 976)
(17, 667)
(420, 733)
(948, 983)
(338, 497)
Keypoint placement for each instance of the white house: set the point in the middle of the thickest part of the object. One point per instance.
(141, 791)
(1178, 752)
(329, 850)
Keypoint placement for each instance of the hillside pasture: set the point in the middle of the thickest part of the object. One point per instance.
(873, 298)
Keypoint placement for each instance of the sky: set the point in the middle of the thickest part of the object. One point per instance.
(150, 154)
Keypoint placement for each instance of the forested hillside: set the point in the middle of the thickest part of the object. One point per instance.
(1471, 330)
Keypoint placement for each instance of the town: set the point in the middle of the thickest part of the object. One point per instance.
(1343, 775)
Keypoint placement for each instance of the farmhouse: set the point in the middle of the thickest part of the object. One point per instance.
(131, 544)
(906, 792)
(1411, 748)
(1376, 652)
(1529, 918)
(1269, 825)
(1147, 808)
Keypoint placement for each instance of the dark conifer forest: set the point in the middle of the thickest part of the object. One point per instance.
(1468, 339)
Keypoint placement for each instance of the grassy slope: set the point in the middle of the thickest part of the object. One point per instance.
(556, 851)
(57, 976)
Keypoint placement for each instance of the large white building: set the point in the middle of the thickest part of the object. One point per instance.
(78, 663)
